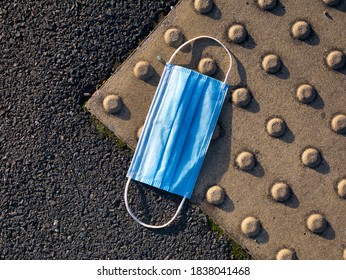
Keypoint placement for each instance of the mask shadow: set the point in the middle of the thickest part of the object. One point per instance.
(217, 160)
(155, 206)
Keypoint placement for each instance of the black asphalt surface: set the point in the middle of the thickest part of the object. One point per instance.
(62, 181)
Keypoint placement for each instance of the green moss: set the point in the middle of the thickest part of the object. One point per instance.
(214, 227)
(84, 105)
(237, 252)
(107, 133)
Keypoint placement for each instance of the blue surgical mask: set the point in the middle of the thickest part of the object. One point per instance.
(177, 131)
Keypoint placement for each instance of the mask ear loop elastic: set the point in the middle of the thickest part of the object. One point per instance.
(138, 220)
(208, 37)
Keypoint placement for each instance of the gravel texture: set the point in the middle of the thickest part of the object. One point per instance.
(61, 195)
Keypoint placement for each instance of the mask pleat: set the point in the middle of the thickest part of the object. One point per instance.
(198, 137)
(161, 126)
(135, 168)
(180, 146)
(180, 127)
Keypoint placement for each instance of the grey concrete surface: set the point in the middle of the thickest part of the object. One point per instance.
(291, 131)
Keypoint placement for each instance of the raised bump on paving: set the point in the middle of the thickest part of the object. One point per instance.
(286, 254)
(112, 104)
(207, 66)
(143, 70)
(335, 60)
(215, 195)
(316, 223)
(139, 132)
(244, 128)
(267, 4)
(280, 192)
(203, 6)
(241, 97)
(271, 63)
(306, 93)
(276, 127)
(341, 188)
(251, 227)
(301, 30)
(245, 161)
(173, 37)
(339, 123)
(237, 33)
(311, 157)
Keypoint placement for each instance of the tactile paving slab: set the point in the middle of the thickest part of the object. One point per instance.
(275, 173)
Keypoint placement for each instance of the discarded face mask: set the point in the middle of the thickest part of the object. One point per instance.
(177, 131)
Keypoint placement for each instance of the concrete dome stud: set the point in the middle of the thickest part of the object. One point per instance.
(203, 6)
(143, 70)
(112, 104)
(276, 127)
(306, 93)
(139, 132)
(286, 254)
(316, 223)
(251, 226)
(215, 195)
(280, 192)
(271, 63)
(335, 60)
(207, 66)
(338, 123)
(173, 37)
(245, 161)
(237, 33)
(341, 188)
(301, 30)
(267, 4)
(311, 157)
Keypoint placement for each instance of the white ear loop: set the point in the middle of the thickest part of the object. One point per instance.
(138, 220)
(208, 37)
